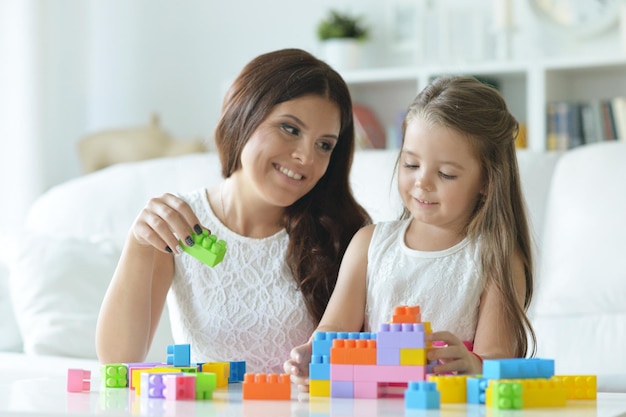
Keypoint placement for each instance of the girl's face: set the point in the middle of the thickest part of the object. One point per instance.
(439, 178)
(290, 150)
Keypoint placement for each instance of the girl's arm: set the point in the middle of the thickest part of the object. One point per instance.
(346, 309)
(135, 299)
(493, 338)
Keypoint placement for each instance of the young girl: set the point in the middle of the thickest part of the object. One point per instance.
(285, 209)
(461, 249)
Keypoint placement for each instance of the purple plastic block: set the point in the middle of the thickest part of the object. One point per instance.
(342, 389)
(389, 336)
(387, 356)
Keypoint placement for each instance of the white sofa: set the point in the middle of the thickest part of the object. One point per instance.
(75, 231)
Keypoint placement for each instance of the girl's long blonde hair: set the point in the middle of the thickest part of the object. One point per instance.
(499, 219)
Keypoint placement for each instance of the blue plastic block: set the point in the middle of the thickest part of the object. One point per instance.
(518, 368)
(422, 395)
(319, 368)
(179, 355)
(476, 390)
(237, 370)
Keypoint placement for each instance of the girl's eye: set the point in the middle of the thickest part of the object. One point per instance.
(410, 166)
(292, 130)
(446, 176)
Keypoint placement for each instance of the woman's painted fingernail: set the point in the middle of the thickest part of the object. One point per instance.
(168, 249)
(197, 229)
(189, 241)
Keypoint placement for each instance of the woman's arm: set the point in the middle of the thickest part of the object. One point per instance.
(135, 299)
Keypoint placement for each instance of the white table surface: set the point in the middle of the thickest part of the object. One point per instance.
(37, 386)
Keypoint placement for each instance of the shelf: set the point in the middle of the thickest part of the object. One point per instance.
(526, 86)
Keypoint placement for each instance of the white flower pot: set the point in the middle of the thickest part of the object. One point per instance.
(342, 54)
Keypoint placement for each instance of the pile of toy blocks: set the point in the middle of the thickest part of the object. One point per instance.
(175, 379)
(373, 365)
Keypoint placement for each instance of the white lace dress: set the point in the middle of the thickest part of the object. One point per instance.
(246, 308)
(445, 284)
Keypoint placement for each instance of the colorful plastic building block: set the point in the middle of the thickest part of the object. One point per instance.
(518, 368)
(135, 377)
(206, 248)
(580, 387)
(406, 314)
(206, 382)
(453, 388)
(422, 395)
(266, 387)
(504, 395)
(178, 355)
(152, 385)
(220, 369)
(78, 380)
(237, 371)
(114, 375)
(180, 386)
(476, 387)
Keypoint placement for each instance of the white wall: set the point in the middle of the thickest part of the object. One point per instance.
(72, 67)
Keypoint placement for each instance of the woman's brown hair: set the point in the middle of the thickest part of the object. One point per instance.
(321, 223)
(499, 220)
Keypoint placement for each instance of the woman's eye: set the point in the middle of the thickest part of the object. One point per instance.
(326, 146)
(410, 166)
(292, 130)
(446, 176)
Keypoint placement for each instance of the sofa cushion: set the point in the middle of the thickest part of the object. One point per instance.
(579, 312)
(57, 286)
(10, 340)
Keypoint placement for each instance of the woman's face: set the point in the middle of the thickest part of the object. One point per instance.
(290, 150)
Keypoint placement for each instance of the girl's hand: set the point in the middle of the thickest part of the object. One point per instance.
(298, 366)
(453, 356)
(163, 221)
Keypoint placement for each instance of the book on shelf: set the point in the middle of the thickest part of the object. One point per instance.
(368, 131)
(571, 124)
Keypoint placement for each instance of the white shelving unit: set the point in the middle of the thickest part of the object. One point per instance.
(526, 86)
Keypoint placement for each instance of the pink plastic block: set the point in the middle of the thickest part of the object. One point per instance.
(365, 389)
(78, 380)
(341, 372)
(378, 373)
(179, 387)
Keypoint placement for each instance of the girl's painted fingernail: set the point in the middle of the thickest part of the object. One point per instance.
(197, 229)
(189, 241)
(168, 249)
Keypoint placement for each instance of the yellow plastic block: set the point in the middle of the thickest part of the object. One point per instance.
(539, 392)
(221, 371)
(452, 388)
(412, 356)
(319, 388)
(579, 387)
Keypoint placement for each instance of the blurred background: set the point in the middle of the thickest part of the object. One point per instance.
(72, 68)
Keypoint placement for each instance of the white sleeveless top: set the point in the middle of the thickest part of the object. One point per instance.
(445, 284)
(245, 308)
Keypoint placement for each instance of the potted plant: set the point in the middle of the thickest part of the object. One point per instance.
(342, 35)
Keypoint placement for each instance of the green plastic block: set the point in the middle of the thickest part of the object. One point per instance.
(207, 248)
(507, 395)
(114, 375)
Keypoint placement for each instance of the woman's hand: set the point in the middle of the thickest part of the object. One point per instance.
(163, 221)
(298, 366)
(452, 355)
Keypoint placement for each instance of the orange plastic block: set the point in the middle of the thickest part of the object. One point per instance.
(266, 387)
(406, 314)
(579, 387)
(353, 352)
